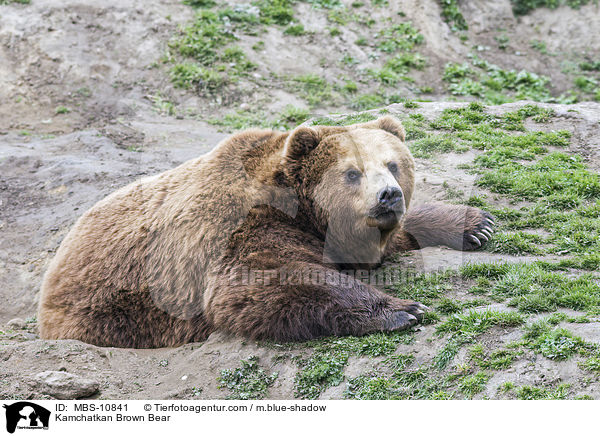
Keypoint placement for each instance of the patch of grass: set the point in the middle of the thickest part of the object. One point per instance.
(335, 31)
(452, 15)
(431, 144)
(345, 121)
(162, 105)
(248, 382)
(495, 85)
(559, 344)
(325, 367)
(200, 3)
(591, 364)
(399, 37)
(294, 30)
(515, 244)
(474, 384)
(275, 11)
(210, 61)
(539, 46)
(425, 288)
(495, 360)
(367, 101)
(203, 39)
(350, 87)
(325, 4)
(590, 66)
(535, 287)
(313, 88)
(402, 384)
(502, 41)
(474, 323)
(23, 2)
(61, 110)
(236, 59)
(292, 116)
(555, 173)
(464, 328)
(523, 7)
(318, 372)
(528, 392)
(188, 75)
(241, 120)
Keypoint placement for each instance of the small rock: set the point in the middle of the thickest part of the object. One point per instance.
(65, 386)
(16, 324)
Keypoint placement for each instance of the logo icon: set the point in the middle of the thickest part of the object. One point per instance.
(26, 415)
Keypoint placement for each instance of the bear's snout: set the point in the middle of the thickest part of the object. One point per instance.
(389, 196)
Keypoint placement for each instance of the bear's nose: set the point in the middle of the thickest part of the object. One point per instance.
(389, 196)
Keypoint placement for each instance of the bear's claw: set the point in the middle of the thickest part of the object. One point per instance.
(479, 235)
(400, 320)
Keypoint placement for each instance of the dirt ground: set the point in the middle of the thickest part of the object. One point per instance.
(97, 59)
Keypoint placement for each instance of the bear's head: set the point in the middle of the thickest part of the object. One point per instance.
(354, 183)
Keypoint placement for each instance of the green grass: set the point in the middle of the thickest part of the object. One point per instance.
(401, 384)
(275, 11)
(344, 121)
(495, 360)
(523, 7)
(528, 392)
(248, 382)
(23, 2)
(552, 174)
(464, 328)
(206, 60)
(319, 372)
(474, 323)
(399, 37)
(325, 367)
(452, 15)
(495, 85)
(188, 75)
(474, 384)
(432, 144)
(367, 101)
(290, 117)
(294, 30)
(61, 110)
(533, 288)
(313, 88)
(515, 243)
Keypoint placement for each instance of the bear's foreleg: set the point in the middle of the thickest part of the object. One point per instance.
(301, 301)
(456, 226)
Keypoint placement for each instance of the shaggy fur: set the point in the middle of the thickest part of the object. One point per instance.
(251, 239)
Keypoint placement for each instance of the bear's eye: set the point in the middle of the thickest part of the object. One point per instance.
(353, 176)
(393, 167)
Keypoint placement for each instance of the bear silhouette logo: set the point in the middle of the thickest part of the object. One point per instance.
(26, 415)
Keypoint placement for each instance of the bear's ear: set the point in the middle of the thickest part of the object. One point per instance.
(392, 125)
(389, 124)
(301, 141)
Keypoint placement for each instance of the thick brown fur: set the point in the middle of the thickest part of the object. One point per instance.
(241, 239)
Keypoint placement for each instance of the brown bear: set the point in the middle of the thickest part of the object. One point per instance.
(255, 238)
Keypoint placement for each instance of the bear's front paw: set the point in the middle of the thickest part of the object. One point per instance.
(479, 229)
(411, 312)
